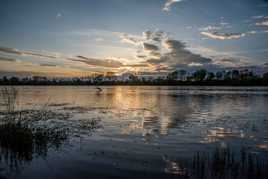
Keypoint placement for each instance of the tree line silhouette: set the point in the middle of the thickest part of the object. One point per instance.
(178, 77)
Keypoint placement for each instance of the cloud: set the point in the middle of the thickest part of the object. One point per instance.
(262, 23)
(131, 39)
(155, 54)
(105, 63)
(27, 53)
(231, 36)
(231, 62)
(150, 47)
(141, 56)
(253, 32)
(178, 51)
(99, 39)
(148, 44)
(178, 56)
(142, 65)
(148, 36)
(161, 52)
(97, 62)
(59, 15)
(7, 59)
(10, 50)
(210, 28)
(158, 36)
(258, 17)
(195, 64)
(223, 36)
(216, 26)
(173, 45)
(36, 54)
(221, 31)
(168, 4)
(47, 65)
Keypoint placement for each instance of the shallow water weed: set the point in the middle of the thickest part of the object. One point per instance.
(33, 133)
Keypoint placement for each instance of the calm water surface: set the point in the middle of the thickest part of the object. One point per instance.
(149, 132)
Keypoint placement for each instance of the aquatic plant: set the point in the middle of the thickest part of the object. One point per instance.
(224, 163)
(9, 97)
(26, 134)
(20, 143)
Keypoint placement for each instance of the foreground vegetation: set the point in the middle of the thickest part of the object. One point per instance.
(27, 134)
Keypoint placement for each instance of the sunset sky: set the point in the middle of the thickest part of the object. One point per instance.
(81, 37)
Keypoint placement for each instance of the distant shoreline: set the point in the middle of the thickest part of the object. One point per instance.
(147, 84)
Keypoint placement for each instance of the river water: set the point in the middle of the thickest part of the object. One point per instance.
(144, 132)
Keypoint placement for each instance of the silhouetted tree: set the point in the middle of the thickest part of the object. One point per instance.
(200, 75)
(98, 78)
(227, 75)
(5, 79)
(173, 75)
(210, 76)
(265, 78)
(235, 74)
(219, 75)
(181, 74)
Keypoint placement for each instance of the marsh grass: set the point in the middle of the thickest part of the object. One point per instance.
(9, 96)
(223, 163)
(19, 144)
(26, 134)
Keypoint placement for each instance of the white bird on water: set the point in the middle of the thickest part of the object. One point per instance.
(99, 89)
